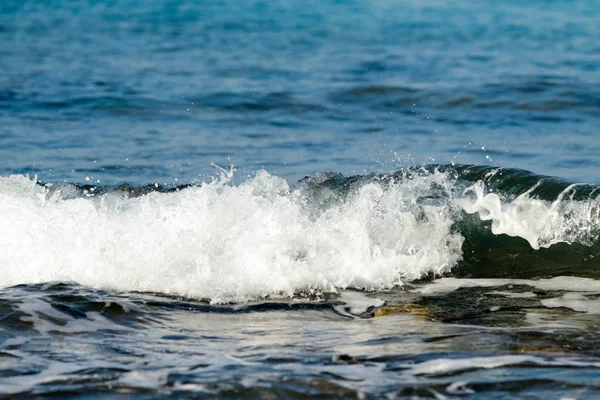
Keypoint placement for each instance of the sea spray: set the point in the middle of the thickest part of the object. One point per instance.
(541, 222)
(263, 237)
(228, 243)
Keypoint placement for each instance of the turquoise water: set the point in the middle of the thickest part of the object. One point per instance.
(296, 200)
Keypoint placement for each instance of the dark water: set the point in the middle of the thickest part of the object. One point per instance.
(380, 235)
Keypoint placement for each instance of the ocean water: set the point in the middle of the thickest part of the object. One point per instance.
(394, 199)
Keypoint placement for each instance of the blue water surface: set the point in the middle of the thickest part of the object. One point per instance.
(140, 92)
(105, 288)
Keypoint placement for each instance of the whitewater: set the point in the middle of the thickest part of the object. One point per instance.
(263, 238)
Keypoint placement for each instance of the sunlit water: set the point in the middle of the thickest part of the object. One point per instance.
(378, 237)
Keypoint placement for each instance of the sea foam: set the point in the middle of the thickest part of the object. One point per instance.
(227, 243)
(234, 243)
(541, 223)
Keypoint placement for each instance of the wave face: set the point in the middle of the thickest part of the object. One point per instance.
(234, 243)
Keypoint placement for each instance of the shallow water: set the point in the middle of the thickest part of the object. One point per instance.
(379, 236)
(70, 340)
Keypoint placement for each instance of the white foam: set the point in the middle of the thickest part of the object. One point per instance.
(235, 243)
(575, 298)
(576, 302)
(566, 283)
(541, 223)
(357, 303)
(448, 365)
(514, 295)
(224, 242)
(144, 379)
(460, 388)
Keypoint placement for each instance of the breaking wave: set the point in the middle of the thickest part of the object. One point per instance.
(263, 237)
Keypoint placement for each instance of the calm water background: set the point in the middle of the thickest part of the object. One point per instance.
(99, 296)
(136, 91)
